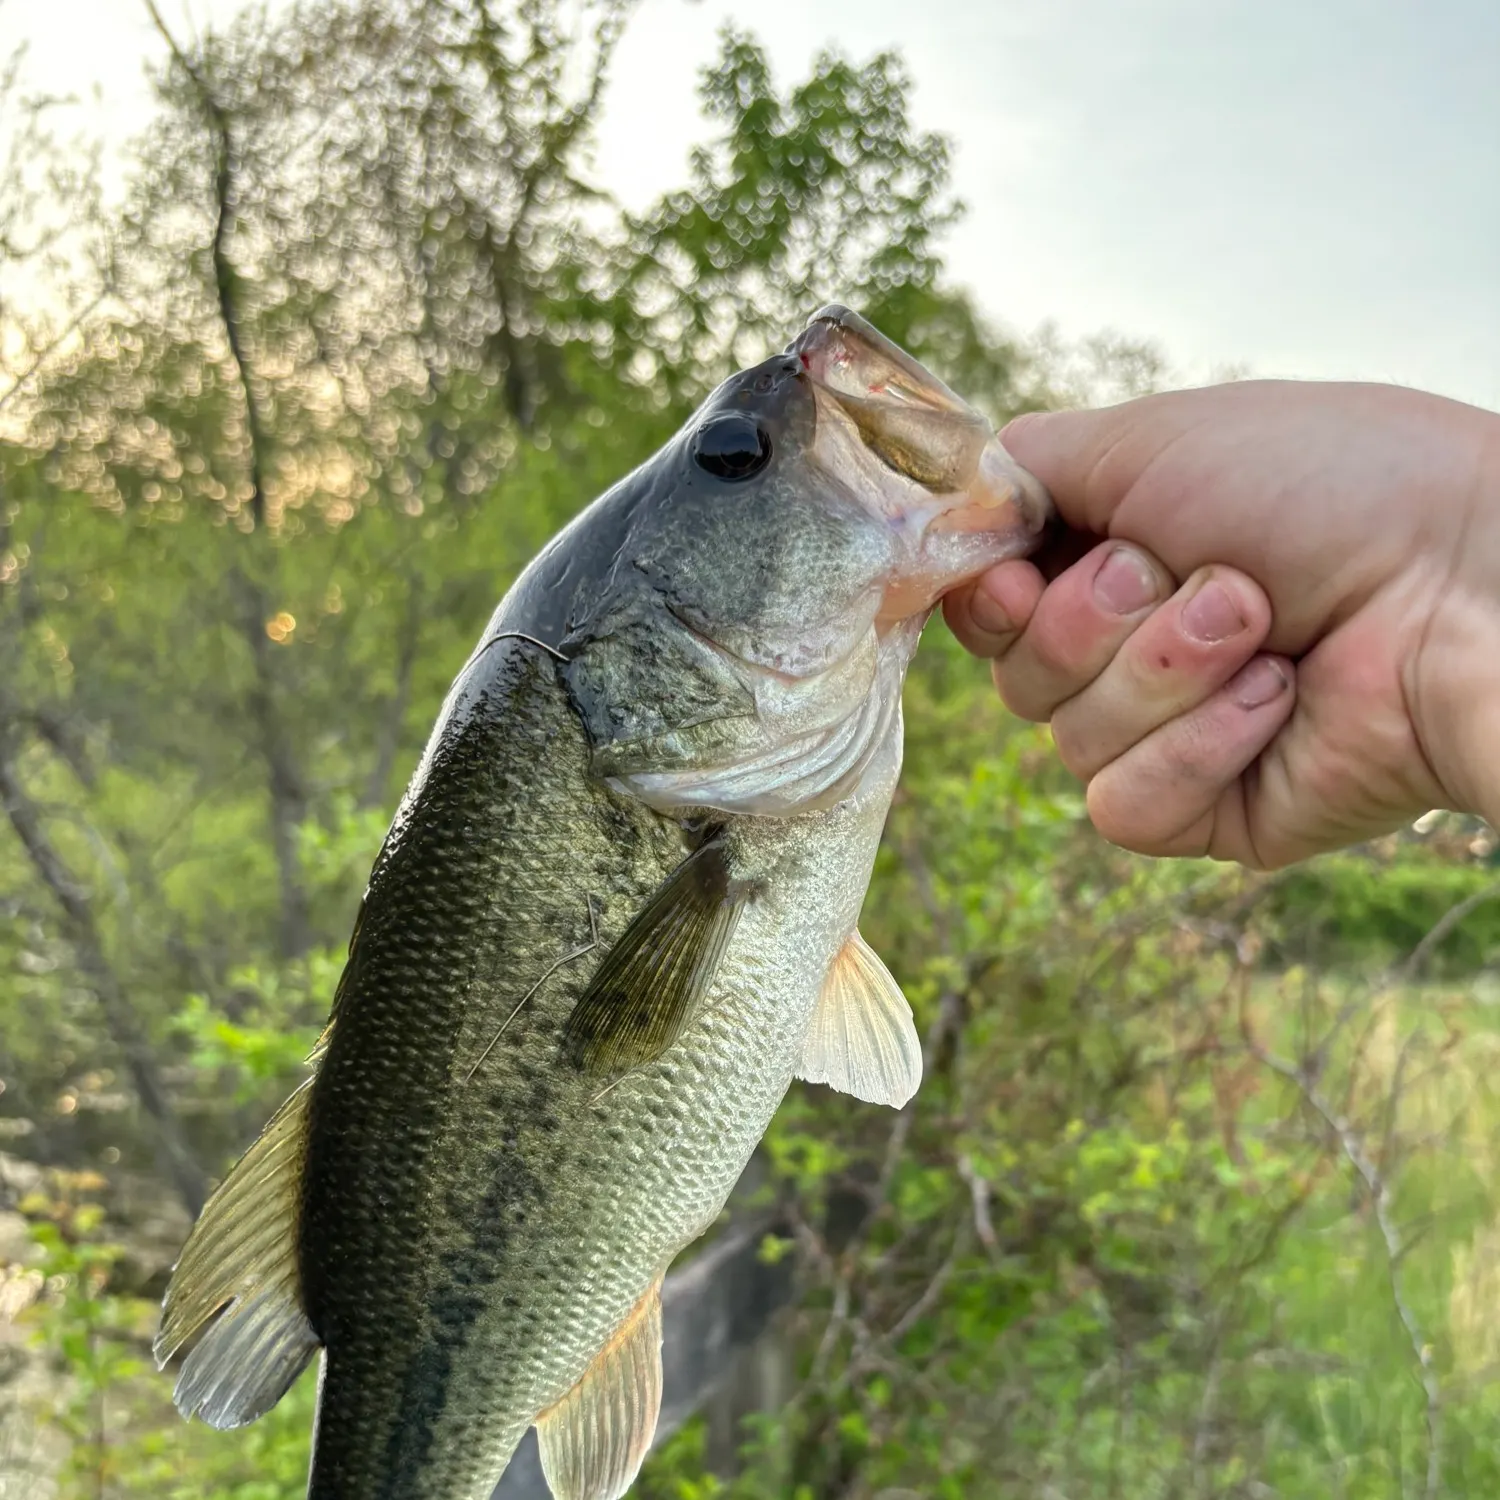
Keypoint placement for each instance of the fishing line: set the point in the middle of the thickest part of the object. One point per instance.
(567, 958)
(520, 635)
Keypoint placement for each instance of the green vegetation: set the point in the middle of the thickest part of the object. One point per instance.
(1198, 1198)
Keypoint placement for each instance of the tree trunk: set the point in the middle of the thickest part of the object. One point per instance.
(124, 1028)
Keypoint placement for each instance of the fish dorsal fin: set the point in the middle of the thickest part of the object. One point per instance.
(238, 1273)
(595, 1439)
(862, 1040)
(653, 980)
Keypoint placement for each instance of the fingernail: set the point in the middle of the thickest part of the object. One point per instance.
(1028, 421)
(1125, 582)
(1212, 615)
(1258, 683)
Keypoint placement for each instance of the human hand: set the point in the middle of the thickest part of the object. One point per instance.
(1353, 529)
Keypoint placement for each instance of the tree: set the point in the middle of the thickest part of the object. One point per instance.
(368, 335)
(365, 318)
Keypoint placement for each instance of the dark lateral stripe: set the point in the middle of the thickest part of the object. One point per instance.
(712, 1310)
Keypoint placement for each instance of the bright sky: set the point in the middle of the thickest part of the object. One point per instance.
(1307, 187)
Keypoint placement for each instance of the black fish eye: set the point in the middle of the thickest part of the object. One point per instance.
(731, 447)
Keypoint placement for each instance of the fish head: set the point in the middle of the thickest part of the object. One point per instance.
(782, 554)
(925, 464)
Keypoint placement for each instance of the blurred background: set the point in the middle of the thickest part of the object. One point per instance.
(317, 320)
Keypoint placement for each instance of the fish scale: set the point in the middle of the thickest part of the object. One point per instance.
(537, 1216)
(495, 864)
(614, 918)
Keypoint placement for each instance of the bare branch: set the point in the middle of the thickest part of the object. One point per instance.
(83, 935)
(1440, 929)
(979, 1191)
(1378, 1186)
(224, 278)
(41, 355)
(931, 1292)
(1399, 973)
(388, 738)
(837, 1318)
(947, 1023)
(284, 779)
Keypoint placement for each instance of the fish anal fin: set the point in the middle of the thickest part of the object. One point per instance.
(862, 1040)
(595, 1439)
(238, 1278)
(651, 983)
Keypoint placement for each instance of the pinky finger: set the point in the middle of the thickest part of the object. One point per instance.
(1181, 790)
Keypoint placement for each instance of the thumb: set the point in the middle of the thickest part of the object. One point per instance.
(1089, 460)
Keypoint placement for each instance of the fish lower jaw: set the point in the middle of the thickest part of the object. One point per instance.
(946, 561)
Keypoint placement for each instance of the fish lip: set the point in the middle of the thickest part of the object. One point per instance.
(930, 466)
(836, 338)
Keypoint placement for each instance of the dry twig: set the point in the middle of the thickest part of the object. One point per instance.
(1379, 1188)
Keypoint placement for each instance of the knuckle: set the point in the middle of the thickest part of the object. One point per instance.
(1076, 746)
(1118, 816)
(1016, 694)
(1191, 751)
(1155, 801)
(1054, 652)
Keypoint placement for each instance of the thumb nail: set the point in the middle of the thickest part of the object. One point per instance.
(1028, 424)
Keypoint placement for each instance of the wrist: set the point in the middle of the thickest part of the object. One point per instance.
(1454, 684)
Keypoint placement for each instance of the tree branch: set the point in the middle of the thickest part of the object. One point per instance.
(41, 355)
(1378, 1186)
(1440, 929)
(388, 738)
(288, 791)
(224, 278)
(83, 935)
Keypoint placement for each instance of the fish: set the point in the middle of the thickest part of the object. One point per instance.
(615, 916)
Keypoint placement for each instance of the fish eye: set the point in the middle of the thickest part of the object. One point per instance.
(731, 447)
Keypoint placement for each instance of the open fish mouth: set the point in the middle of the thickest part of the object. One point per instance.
(949, 501)
(939, 476)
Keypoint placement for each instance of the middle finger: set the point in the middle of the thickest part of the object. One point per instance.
(1176, 659)
(1080, 622)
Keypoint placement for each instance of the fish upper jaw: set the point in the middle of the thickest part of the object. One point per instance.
(919, 457)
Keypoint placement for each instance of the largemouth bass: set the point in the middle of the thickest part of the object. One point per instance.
(614, 918)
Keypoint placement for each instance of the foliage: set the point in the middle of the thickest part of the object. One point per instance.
(1378, 907)
(1125, 1241)
(1113, 1249)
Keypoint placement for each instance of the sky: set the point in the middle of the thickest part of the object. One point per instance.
(1306, 188)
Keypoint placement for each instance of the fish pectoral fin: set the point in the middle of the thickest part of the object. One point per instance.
(863, 1040)
(650, 984)
(238, 1276)
(595, 1439)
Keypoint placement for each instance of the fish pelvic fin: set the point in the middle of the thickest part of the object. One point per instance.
(595, 1439)
(238, 1277)
(863, 1040)
(651, 983)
